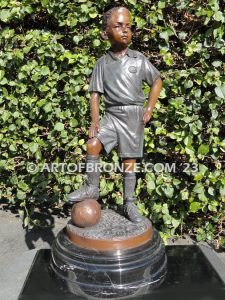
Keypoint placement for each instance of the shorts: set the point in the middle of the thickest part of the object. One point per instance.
(123, 126)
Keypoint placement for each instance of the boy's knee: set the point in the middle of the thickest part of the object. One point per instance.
(129, 165)
(94, 146)
(91, 143)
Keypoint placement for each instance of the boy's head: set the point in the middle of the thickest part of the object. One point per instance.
(117, 26)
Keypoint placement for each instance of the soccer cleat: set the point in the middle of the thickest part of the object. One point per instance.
(90, 190)
(131, 211)
(87, 191)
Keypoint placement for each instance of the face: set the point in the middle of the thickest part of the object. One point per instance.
(119, 28)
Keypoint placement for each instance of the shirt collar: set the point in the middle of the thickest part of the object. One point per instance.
(110, 55)
(131, 53)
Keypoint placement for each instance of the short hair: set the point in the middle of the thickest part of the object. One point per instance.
(107, 15)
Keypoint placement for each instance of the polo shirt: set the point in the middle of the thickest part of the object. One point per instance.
(120, 79)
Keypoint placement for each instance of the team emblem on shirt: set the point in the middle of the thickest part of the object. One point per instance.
(132, 69)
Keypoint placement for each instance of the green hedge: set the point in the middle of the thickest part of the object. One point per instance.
(48, 50)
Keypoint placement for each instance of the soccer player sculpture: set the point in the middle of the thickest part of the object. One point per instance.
(102, 253)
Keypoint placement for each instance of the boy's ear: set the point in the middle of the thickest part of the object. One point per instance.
(104, 35)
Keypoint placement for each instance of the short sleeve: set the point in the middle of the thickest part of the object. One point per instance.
(150, 73)
(96, 82)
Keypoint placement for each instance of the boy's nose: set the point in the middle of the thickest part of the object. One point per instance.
(124, 29)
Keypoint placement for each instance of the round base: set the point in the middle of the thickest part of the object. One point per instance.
(112, 232)
(117, 273)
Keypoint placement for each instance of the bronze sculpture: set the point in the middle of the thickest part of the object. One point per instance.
(118, 76)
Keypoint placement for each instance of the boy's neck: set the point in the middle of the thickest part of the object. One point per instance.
(119, 51)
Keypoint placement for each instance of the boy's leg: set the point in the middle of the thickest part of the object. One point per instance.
(129, 184)
(90, 190)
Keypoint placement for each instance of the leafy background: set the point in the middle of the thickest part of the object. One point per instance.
(48, 49)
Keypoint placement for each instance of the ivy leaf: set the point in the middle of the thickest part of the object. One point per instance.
(76, 39)
(194, 207)
(44, 2)
(45, 70)
(222, 191)
(168, 191)
(201, 235)
(175, 222)
(182, 35)
(202, 170)
(33, 147)
(73, 123)
(217, 63)
(219, 16)
(5, 15)
(48, 107)
(199, 188)
(134, 2)
(161, 4)
(21, 195)
(23, 186)
(84, 8)
(93, 14)
(166, 34)
(211, 190)
(96, 43)
(184, 194)
(188, 84)
(150, 185)
(3, 81)
(26, 221)
(220, 91)
(59, 126)
(43, 88)
(165, 209)
(2, 74)
(81, 142)
(140, 22)
(12, 148)
(203, 149)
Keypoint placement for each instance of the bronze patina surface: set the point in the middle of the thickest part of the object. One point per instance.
(86, 213)
(112, 232)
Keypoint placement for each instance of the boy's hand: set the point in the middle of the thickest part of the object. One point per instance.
(147, 116)
(93, 129)
(152, 98)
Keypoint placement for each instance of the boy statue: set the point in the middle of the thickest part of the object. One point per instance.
(118, 75)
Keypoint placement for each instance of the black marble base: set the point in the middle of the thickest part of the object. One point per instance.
(114, 274)
(190, 276)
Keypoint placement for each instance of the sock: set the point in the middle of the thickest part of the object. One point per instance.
(129, 184)
(92, 169)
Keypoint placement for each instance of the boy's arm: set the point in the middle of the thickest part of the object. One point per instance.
(94, 105)
(152, 98)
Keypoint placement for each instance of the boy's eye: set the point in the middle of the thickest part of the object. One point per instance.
(117, 26)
